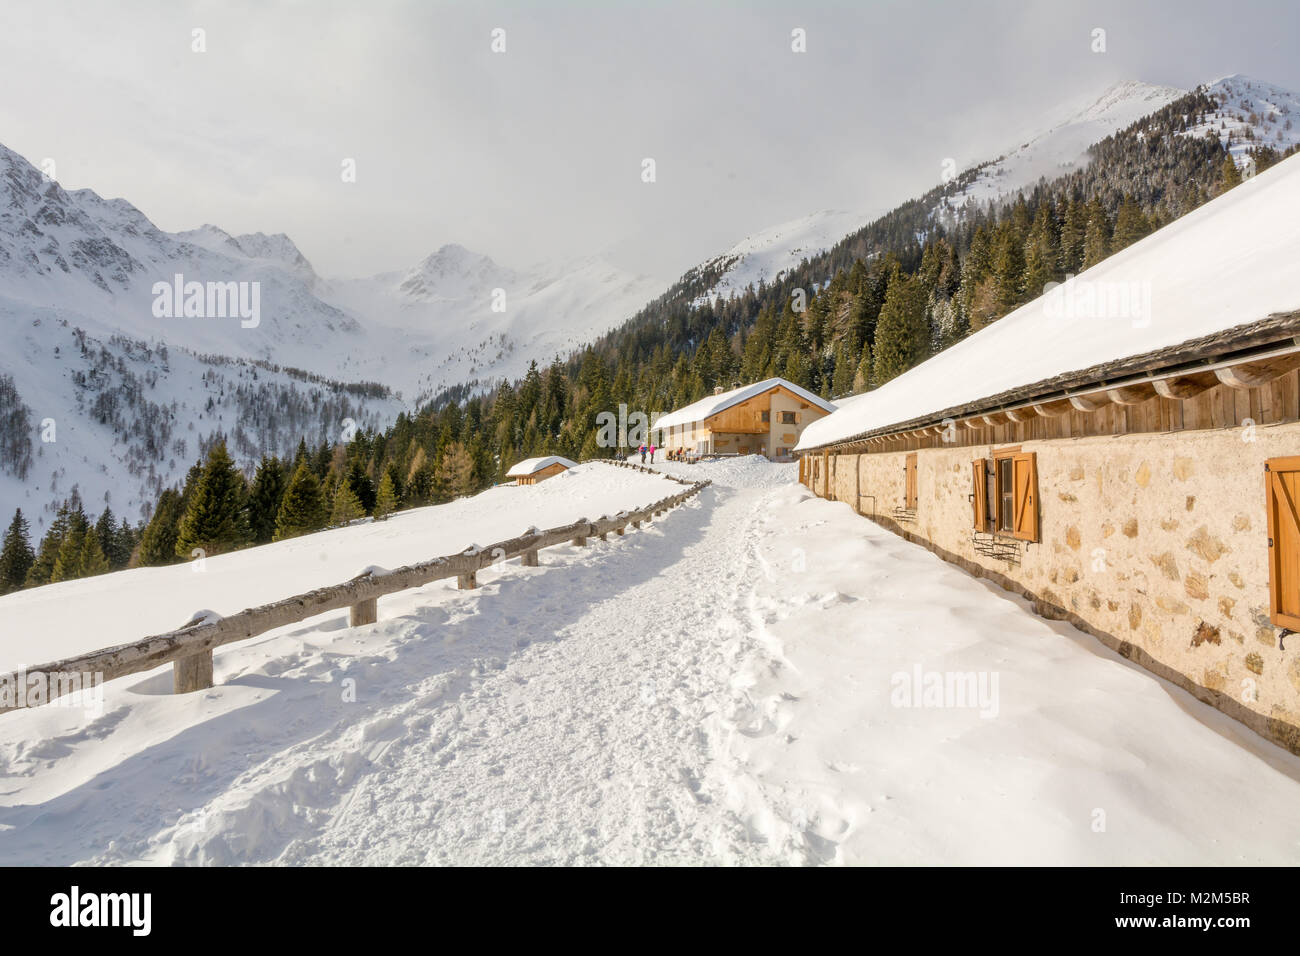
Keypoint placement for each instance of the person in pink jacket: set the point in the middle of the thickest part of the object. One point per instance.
(652, 453)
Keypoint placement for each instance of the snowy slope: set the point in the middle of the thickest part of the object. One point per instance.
(764, 256)
(1251, 113)
(1228, 263)
(719, 687)
(1055, 145)
(1063, 141)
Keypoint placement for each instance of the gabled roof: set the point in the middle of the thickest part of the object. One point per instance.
(531, 466)
(1226, 266)
(710, 406)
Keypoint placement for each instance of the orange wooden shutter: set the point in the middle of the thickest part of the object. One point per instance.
(980, 496)
(1282, 484)
(1024, 475)
(909, 494)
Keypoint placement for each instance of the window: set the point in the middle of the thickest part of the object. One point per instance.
(1282, 486)
(909, 485)
(789, 418)
(1014, 494)
(1006, 495)
(767, 415)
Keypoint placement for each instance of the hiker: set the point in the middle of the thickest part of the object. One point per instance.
(652, 453)
(643, 453)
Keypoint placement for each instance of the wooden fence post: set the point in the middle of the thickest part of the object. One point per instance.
(363, 612)
(192, 673)
(528, 559)
(580, 541)
(467, 580)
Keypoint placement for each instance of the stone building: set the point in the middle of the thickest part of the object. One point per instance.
(1124, 451)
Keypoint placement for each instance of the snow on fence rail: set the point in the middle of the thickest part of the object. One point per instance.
(189, 648)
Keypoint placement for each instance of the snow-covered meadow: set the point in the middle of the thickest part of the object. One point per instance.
(746, 680)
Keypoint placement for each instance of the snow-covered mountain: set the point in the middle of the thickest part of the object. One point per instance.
(1252, 113)
(1056, 144)
(137, 376)
(458, 317)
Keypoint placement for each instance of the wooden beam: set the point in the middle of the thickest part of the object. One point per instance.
(1185, 386)
(1090, 402)
(1132, 394)
(1252, 374)
(1021, 414)
(1054, 408)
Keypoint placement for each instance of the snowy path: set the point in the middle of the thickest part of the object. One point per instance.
(717, 688)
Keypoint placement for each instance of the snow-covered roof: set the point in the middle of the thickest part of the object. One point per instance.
(1230, 263)
(531, 466)
(707, 407)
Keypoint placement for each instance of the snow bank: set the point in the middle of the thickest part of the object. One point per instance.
(743, 471)
(59, 620)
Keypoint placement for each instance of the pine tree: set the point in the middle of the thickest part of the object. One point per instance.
(842, 380)
(862, 375)
(302, 509)
(92, 560)
(68, 516)
(1073, 229)
(901, 333)
(1230, 176)
(1130, 225)
(454, 471)
(346, 507)
(264, 499)
(362, 486)
(16, 555)
(386, 498)
(68, 563)
(124, 542)
(158, 540)
(1096, 243)
(215, 519)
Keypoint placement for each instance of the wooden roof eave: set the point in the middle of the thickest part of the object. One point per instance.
(1253, 356)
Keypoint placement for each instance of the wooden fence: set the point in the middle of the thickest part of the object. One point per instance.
(189, 648)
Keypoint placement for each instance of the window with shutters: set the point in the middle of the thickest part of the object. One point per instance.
(1282, 490)
(789, 418)
(1015, 494)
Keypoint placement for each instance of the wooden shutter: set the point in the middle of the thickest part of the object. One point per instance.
(909, 493)
(980, 493)
(1282, 484)
(1024, 482)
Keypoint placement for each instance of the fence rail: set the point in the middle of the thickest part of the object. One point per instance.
(189, 648)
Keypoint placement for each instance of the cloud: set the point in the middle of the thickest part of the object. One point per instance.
(536, 152)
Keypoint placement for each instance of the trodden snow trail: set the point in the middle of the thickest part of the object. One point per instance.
(591, 743)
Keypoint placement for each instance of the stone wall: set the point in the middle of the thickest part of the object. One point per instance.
(1155, 543)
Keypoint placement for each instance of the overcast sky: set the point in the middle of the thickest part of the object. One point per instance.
(536, 153)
